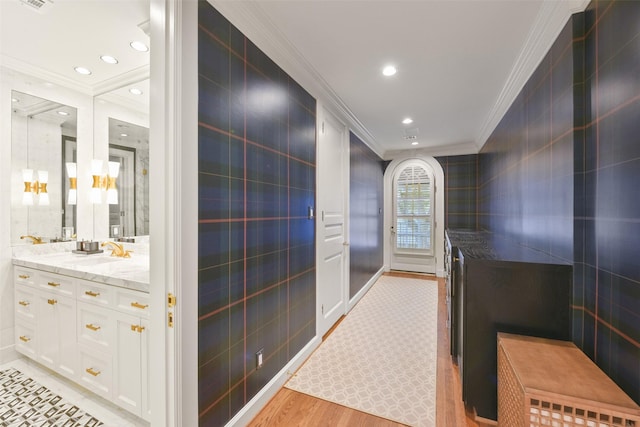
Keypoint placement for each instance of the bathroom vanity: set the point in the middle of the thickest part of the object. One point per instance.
(86, 317)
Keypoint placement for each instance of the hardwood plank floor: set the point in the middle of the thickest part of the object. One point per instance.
(290, 408)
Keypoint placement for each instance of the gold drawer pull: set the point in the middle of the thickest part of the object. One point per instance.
(92, 327)
(54, 284)
(25, 339)
(23, 276)
(138, 305)
(92, 372)
(92, 294)
(52, 301)
(24, 303)
(137, 328)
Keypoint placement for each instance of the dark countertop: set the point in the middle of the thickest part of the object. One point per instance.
(489, 246)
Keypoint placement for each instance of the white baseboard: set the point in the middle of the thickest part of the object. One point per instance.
(357, 297)
(260, 400)
(8, 354)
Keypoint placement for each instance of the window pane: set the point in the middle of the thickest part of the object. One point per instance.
(413, 209)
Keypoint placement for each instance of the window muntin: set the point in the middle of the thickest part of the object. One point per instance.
(413, 210)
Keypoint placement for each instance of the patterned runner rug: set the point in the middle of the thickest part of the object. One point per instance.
(25, 403)
(382, 358)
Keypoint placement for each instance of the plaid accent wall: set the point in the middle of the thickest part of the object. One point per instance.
(560, 174)
(607, 244)
(366, 182)
(460, 191)
(256, 286)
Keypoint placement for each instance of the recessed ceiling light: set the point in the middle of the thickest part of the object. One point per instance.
(63, 113)
(109, 59)
(407, 121)
(123, 134)
(389, 70)
(15, 100)
(139, 46)
(414, 143)
(82, 70)
(135, 91)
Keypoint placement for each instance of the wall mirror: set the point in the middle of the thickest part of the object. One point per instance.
(43, 134)
(122, 125)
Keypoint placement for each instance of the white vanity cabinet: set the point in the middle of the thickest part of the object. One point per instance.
(92, 333)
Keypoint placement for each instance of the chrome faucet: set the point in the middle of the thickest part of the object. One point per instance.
(117, 249)
(35, 240)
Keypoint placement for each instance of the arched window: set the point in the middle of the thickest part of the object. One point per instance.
(413, 188)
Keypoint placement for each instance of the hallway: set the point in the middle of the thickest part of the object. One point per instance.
(292, 408)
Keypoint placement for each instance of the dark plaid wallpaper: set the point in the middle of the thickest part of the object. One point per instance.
(460, 191)
(608, 192)
(366, 181)
(256, 287)
(561, 171)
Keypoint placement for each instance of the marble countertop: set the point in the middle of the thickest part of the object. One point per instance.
(130, 273)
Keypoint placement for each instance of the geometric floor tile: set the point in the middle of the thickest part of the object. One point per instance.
(24, 402)
(381, 359)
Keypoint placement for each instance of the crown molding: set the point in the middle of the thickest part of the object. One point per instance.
(133, 76)
(250, 18)
(48, 76)
(434, 151)
(551, 19)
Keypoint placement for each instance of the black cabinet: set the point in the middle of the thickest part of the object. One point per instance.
(500, 286)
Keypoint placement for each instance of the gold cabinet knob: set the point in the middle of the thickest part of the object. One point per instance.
(24, 303)
(23, 276)
(25, 339)
(92, 294)
(92, 327)
(52, 301)
(54, 284)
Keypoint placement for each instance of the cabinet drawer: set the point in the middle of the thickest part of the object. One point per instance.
(24, 276)
(132, 302)
(25, 339)
(56, 283)
(95, 293)
(25, 304)
(95, 372)
(95, 327)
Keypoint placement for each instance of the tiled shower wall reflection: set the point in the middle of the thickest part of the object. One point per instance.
(256, 244)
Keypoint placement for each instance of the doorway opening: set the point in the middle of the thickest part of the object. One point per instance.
(412, 209)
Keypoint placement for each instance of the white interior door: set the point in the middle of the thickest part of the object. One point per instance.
(331, 190)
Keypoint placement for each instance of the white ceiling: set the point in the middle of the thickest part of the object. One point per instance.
(460, 62)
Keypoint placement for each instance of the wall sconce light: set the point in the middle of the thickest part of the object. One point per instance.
(72, 173)
(104, 182)
(31, 187)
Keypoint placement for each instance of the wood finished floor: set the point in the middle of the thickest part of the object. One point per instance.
(290, 408)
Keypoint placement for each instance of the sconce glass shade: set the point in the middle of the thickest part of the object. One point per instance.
(27, 195)
(112, 196)
(72, 173)
(112, 190)
(96, 167)
(72, 197)
(114, 169)
(27, 176)
(96, 170)
(43, 199)
(27, 198)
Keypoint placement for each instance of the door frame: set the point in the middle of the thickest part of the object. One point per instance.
(323, 114)
(439, 217)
